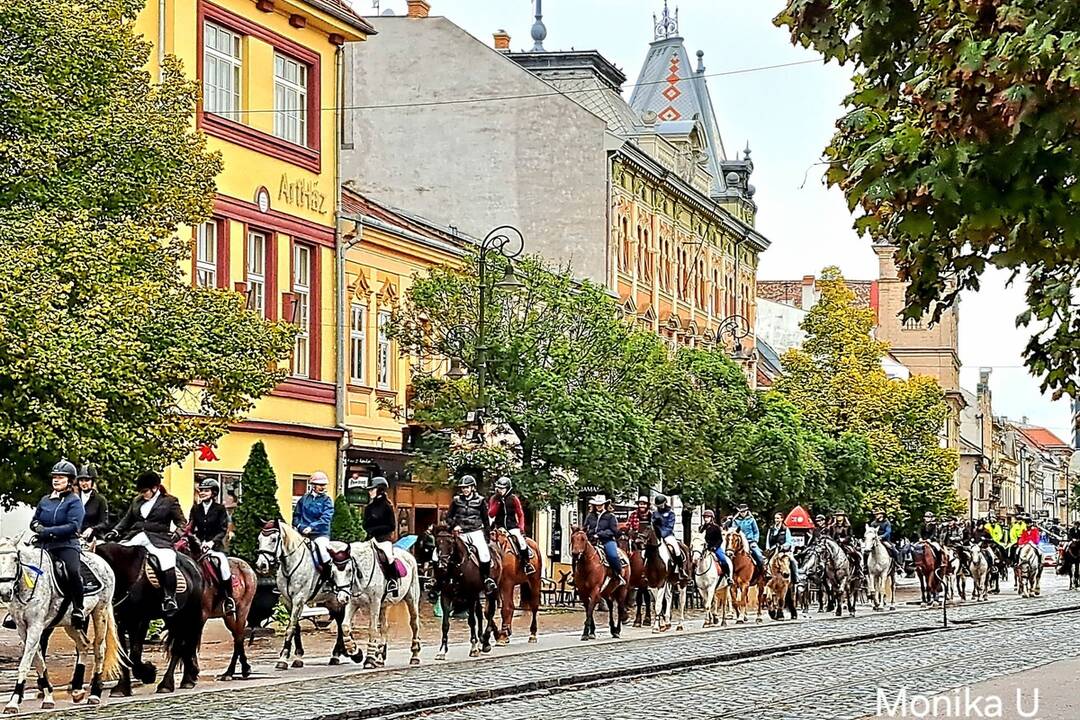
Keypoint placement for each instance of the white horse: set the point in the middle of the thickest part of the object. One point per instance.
(979, 566)
(1028, 571)
(713, 587)
(28, 582)
(361, 581)
(881, 575)
(299, 583)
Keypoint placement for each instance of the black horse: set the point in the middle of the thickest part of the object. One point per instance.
(137, 602)
(1070, 563)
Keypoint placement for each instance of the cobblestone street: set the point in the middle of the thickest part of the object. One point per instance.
(820, 668)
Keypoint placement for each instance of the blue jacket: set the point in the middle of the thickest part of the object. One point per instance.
(602, 527)
(314, 512)
(663, 522)
(749, 528)
(61, 519)
(884, 529)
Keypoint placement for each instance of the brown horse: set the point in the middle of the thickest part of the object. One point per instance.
(929, 571)
(244, 585)
(745, 574)
(593, 585)
(638, 584)
(514, 577)
(460, 586)
(662, 583)
(780, 590)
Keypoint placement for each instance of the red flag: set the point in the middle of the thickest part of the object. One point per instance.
(206, 454)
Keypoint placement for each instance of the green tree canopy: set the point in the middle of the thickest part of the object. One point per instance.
(346, 525)
(258, 503)
(960, 145)
(106, 353)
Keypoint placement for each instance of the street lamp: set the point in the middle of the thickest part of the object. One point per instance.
(508, 242)
(734, 328)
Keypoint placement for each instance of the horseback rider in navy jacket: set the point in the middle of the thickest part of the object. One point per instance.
(602, 528)
(312, 517)
(663, 522)
(884, 531)
(57, 522)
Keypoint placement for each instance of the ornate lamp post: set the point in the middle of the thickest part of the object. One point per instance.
(507, 241)
(734, 328)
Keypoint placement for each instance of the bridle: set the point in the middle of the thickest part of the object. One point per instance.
(278, 556)
(16, 586)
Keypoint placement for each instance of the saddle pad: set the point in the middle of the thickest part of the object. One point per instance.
(604, 559)
(90, 581)
(151, 575)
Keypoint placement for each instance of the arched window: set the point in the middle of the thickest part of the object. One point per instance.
(648, 275)
(626, 253)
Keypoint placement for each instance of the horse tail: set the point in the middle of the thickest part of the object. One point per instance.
(113, 657)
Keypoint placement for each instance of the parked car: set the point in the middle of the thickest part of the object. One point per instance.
(1049, 553)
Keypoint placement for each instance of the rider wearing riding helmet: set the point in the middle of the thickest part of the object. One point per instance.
(820, 529)
(506, 513)
(469, 518)
(602, 528)
(1074, 531)
(96, 508)
(640, 518)
(209, 523)
(928, 533)
(881, 524)
(148, 523)
(746, 523)
(778, 539)
(714, 540)
(380, 521)
(312, 517)
(56, 523)
(663, 523)
(1017, 529)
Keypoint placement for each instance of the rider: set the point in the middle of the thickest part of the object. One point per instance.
(818, 531)
(312, 517)
(714, 540)
(468, 516)
(992, 536)
(840, 530)
(955, 536)
(928, 533)
(56, 522)
(640, 518)
(884, 531)
(1030, 536)
(663, 523)
(602, 528)
(96, 516)
(746, 523)
(148, 523)
(1018, 527)
(778, 539)
(506, 513)
(209, 523)
(379, 524)
(1074, 531)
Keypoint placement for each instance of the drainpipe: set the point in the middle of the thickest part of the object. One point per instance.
(340, 248)
(161, 40)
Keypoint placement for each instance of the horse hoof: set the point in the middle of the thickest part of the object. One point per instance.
(616, 635)
(442, 655)
(163, 690)
(370, 663)
(532, 639)
(225, 677)
(298, 663)
(335, 660)
(474, 653)
(637, 623)
(281, 665)
(414, 661)
(93, 700)
(187, 685)
(503, 641)
(678, 628)
(11, 709)
(486, 649)
(120, 692)
(47, 704)
(77, 696)
(584, 638)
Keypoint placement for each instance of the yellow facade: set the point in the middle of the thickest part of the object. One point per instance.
(269, 70)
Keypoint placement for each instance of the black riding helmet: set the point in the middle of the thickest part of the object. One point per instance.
(64, 469)
(208, 483)
(88, 472)
(147, 480)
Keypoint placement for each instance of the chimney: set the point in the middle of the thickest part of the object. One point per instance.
(419, 8)
(502, 41)
(809, 292)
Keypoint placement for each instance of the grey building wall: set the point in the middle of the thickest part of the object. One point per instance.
(538, 162)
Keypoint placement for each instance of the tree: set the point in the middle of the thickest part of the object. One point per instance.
(258, 503)
(837, 382)
(346, 526)
(106, 353)
(960, 147)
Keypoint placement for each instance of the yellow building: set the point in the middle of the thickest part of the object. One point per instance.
(269, 69)
(387, 248)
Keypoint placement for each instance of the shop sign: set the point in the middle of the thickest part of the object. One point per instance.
(302, 193)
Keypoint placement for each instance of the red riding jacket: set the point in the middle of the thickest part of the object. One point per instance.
(1029, 537)
(509, 505)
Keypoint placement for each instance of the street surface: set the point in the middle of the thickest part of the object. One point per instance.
(816, 668)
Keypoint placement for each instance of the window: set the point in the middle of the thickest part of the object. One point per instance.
(301, 287)
(383, 371)
(357, 342)
(299, 488)
(256, 271)
(206, 239)
(290, 99)
(221, 71)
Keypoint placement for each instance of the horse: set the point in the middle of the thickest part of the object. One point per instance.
(780, 590)
(881, 570)
(299, 583)
(979, 567)
(744, 574)
(929, 571)
(712, 585)
(593, 583)
(811, 578)
(841, 581)
(244, 585)
(662, 583)
(1029, 569)
(638, 583)
(359, 579)
(513, 577)
(457, 576)
(28, 581)
(1070, 563)
(955, 569)
(137, 602)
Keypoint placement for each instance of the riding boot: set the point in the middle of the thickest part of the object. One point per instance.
(485, 573)
(526, 564)
(228, 603)
(168, 589)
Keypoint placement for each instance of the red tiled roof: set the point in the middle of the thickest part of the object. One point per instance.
(1043, 437)
(789, 292)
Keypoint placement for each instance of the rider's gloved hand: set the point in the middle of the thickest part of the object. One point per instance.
(35, 527)
(306, 531)
(112, 536)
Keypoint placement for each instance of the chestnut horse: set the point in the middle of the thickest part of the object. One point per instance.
(514, 577)
(745, 574)
(593, 585)
(244, 585)
(638, 584)
(929, 571)
(780, 590)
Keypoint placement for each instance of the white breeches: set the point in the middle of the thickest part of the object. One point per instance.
(477, 541)
(166, 557)
(222, 561)
(519, 539)
(669, 548)
(322, 545)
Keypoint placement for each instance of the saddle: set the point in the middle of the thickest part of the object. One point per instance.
(392, 566)
(151, 569)
(604, 558)
(90, 581)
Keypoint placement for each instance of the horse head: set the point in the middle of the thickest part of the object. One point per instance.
(446, 547)
(698, 549)
(269, 547)
(342, 573)
(870, 538)
(735, 542)
(579, 543)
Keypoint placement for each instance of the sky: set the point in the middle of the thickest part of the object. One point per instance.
(787, 117)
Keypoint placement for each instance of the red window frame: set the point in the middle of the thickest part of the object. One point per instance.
(315, 311)
(310, 157)
(271, 300)
(222, 262)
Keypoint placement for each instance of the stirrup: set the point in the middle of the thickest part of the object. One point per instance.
(528, 568)
(9, 622)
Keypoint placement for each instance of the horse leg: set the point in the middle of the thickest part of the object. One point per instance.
(474, 619)
(291, 628)
(639, 600)
(168, 680)
(298, 642)
(412, 601)
(506, 596)
(48, 702)
(534, 607)
(31, 637)
(82, 648)
(237, 631)
(489, 624)
(374, 612)
(613, 619)
(343, 627)
(447, 608)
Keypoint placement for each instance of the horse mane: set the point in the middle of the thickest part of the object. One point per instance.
(290, 538)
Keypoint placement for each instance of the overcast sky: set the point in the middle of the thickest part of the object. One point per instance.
(787, 117)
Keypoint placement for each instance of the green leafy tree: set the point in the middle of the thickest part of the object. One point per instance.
(106, 352)
(258, 503)
(837, 382)
(346, 525)
(959, 146)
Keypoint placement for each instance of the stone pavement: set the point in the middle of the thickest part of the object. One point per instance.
(819, 645)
